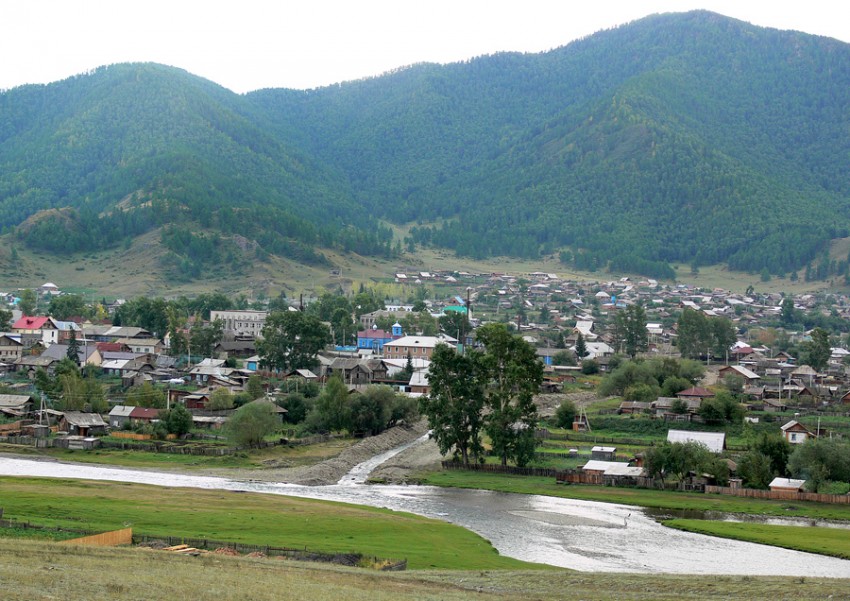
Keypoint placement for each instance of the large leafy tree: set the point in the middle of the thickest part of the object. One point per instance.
(28, 302)
(511, 375)
(252, 422)
(454, 404)
(204, 338)
(68, 305)
(630, 332)
(291, 340)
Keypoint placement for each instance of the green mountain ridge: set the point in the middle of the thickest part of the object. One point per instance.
(685, 137)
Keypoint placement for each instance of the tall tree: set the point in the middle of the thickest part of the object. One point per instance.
(630, 330)
(291, 340)
(581, 347)
(818, 351)
(511, 375)
(73, 352)
(454, 404)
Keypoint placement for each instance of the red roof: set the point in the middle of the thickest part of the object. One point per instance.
(111, 347)
(30, 323)
(696, 391)
(374, 334)
(144, 413)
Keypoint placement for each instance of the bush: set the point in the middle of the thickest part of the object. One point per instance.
(589, 367)
(565, 414)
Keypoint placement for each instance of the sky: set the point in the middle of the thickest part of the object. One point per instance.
(251, 44)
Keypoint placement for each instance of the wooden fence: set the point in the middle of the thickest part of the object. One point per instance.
(501, 469)
(104, 539)
(347, 559)
(781, 495)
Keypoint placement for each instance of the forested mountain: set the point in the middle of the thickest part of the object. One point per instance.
(681, 137)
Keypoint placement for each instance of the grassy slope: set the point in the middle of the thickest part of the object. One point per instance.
(826, 541)
(31, 570)
(250, 518)
(135, 271)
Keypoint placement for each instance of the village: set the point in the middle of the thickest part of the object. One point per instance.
(571, 324)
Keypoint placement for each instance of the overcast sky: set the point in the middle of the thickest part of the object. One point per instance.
(252, 44)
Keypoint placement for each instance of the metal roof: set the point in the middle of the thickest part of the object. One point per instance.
(714, 441)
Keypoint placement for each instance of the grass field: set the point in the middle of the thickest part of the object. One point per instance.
(635, 496)
(826, 541)
(250, 518)
(278, 456)
(35, 570)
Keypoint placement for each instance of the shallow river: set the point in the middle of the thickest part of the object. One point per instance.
(581, 535)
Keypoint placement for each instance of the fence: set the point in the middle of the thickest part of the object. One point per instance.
(105, 539)
(347, 559)
(29, 441)
(781, 495)
(501, 469)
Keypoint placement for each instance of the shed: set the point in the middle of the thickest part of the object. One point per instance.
(787, 484)
(602, 453)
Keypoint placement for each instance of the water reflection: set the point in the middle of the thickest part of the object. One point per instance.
(581, 535)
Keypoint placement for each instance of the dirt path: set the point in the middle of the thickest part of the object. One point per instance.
(330, 471)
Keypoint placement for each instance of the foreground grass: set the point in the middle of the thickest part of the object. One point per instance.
(278, 456)
(635, 496)
(31, 570)
(250, 518)
(825, 541)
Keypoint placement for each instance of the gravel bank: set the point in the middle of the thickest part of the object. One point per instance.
(330, 471)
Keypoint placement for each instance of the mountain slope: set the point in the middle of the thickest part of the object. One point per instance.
(677, 138)
(151, 145)
(687, 137)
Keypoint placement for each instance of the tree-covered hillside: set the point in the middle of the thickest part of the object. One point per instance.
(687, 137)
(677, 138)
(130, 147)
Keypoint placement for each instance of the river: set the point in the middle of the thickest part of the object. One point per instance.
(581, 535)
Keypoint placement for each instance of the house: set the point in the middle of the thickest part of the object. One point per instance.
(150, 346)
(119, 416)
(239, 347)
(713, 441)
(30, 364)
(418, 347)
(11, 348)
(375, 339)
(694, 393)
(351, 370)
(632, 407)
(750, 377)
(419, 383)
(16, 403)
(86, 354)
(796, 433)
(36, 329)
(144, 415)
(77, 423)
